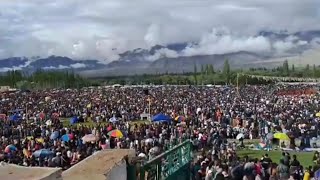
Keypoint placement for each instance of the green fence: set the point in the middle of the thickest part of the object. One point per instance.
(172, 164)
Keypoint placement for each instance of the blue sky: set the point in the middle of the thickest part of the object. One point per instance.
(101, 29)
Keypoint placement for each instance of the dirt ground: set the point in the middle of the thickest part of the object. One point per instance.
(96, 166)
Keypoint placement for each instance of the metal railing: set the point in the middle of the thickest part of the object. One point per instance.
(169, 164)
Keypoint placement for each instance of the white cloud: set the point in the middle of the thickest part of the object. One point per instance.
(220, 42)
(99, 29)
(163, 52)
(77, 65)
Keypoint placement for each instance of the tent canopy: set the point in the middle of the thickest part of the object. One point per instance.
(161, 118)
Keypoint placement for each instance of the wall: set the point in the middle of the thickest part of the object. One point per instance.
(118, 172)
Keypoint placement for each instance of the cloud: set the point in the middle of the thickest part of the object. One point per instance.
(73, 66)
(220, 42)
(163, 52)
(99, 29)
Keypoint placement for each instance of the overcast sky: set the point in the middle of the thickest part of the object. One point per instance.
(101, 29)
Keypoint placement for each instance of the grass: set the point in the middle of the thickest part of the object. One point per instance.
(305, 158)
(66, 123)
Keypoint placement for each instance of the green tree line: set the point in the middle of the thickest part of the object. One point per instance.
(43, 80)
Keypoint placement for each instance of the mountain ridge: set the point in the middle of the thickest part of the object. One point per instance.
(154, 60)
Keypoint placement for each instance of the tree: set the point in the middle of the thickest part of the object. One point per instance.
(202, 69)
(211, 69)
(292, 68)
(226, 71)
(195, 72)
(285, 68)
(307, 67)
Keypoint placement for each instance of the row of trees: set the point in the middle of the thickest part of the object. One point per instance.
(43, 79)
(227, 75)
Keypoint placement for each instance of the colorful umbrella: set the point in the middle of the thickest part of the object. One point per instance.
(180, 118)
(281, 136)
(10, 148)
(262, 145)
(43, 153)
(90, 138)
(115, 133)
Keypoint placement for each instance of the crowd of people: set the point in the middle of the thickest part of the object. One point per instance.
(33, 134)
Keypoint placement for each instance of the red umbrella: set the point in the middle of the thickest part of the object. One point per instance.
(42, 116)
(55, 115)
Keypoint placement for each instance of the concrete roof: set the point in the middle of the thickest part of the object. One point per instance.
(11, 171)
(97, 166)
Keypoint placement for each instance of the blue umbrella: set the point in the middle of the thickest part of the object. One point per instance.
(54, 135)
(161, 118)
(43, 153)
(65, 138)
(74, 120)
(14, 117)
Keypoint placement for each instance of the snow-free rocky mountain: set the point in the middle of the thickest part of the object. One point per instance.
(138, 61)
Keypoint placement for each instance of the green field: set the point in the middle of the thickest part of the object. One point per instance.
(305, 158)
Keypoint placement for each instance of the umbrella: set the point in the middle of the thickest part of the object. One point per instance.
(142, 155)
(30, 138)
(74, 120)
(40, 140)
(54, 135)
(55, 115)
(179, 118)
(262, 145)
(14, 117)
(115, 133)
(113, 119)
(43, 153)
(90, 138)
(161, 118)
(318, 114)
(10, 148)
(240, 136)
(281, 136)
(269, 136)
(65, 138)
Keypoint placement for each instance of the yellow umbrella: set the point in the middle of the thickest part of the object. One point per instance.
(281, 136)
(318, 114)
(40, 140)
(30, 138)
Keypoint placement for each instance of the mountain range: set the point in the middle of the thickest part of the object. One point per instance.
(139, 61)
